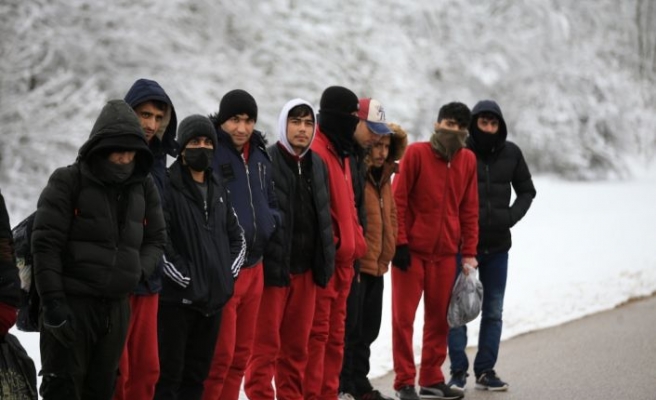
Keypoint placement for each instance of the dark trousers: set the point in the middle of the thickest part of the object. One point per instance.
(351, 335)
(186, 345)
(87, 369)
(493, 273)
(365, 331)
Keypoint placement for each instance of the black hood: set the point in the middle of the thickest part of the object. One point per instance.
(144, 90)
(492, 107)
(118, 126)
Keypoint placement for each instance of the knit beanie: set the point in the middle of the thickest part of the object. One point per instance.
(194, 126)
(234, 103)
(338, 99)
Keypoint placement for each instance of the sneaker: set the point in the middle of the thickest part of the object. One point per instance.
(407, 393)
(458, 381)
(374, 395)
(439, 391)
(490, 381)
(345, 396)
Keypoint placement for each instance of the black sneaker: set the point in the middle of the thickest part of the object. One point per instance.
(374, 395)
(407, 393)
(458, 381)
(490, 381)
(439, 391)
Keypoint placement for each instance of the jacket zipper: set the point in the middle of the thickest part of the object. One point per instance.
(250, 195)
(382, 227)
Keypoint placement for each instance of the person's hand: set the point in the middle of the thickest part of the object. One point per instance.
(471, 261)
(58, 320)
(401, 258)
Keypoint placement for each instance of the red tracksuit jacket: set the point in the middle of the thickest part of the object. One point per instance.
(437, 202)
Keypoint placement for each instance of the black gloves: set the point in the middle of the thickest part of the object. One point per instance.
(401, 258)
(58, 320)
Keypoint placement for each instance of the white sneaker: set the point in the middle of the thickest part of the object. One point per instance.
(345, 396)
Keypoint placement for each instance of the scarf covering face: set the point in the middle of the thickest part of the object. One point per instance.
(447, 142)
(339, 128)
(112, 173)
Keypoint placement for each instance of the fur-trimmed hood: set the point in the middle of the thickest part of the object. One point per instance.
(399, 142)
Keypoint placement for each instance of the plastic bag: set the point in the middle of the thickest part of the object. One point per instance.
(466, 298)
(17, 371)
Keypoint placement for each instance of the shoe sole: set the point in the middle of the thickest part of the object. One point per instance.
(457, 388)
(491, 389)
(440, 397)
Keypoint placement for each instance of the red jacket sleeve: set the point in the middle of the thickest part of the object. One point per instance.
(402, 186)
(469, 208)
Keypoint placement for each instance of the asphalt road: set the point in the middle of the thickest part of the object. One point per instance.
(609, 355)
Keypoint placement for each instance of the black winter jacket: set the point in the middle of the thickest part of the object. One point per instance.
(9, 282)
(206, 243)
(500, 167)
(112, 235)
(277, 258)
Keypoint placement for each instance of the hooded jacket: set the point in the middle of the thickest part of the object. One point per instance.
(101, 244)
(437, 202)
(206, 244)
(382, 229)
(160, 145)
(501, 167)
(348, 234)
(250, 186)
(289, 172)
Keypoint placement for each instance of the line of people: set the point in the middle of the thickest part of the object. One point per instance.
(188, 281)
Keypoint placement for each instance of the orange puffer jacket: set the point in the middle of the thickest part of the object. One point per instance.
(381, 232)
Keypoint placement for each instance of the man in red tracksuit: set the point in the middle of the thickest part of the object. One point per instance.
(334, 142)
(299, 259)
(436, 196)
(242, 164)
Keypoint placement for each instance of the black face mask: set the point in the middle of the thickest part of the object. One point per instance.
(485, 142)
(115, 173)
(198, 158)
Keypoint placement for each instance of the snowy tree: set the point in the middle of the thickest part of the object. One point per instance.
(575, 79)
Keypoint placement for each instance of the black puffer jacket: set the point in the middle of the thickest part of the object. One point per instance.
(9, 282)
(277, 258)
(101, 244)
(500, 167)
(206, 247)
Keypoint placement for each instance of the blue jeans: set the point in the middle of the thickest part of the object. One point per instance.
(492, 272)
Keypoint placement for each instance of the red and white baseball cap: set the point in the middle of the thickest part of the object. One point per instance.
(374, 114)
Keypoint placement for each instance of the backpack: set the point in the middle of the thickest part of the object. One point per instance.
(17, 371)
(30, 304)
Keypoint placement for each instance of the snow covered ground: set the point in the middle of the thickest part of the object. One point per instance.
(582, 248)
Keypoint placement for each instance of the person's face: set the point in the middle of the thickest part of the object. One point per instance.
(299, 132)
(364, 136)
(240, 128)
(150, 117)
(122, 157)
(380, 151)
(449, 123)
(488, 124)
